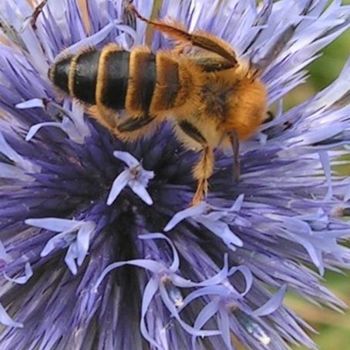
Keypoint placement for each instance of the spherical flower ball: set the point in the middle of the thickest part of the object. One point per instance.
(99, 247)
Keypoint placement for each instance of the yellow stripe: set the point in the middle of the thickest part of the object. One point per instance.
(101, 71)
(71, 75)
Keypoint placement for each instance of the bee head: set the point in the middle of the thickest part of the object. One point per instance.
(248, 108)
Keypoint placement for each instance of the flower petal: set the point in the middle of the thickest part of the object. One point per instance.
(6, 320)
(272, 304)
(28, 273)
(127, 158)
(184, 214)
(55, 224)
(118, 185)
(141, 191)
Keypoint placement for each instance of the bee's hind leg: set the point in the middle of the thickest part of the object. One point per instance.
(128, 128)
(201, 172)
(203, 40)
(133, 124)
(134, 128)
(205, 166)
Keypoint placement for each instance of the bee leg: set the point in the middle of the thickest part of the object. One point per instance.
(109, 119)
(203, 40)
(36, 13)
(205, 166)
(270, 117)
(235, 148)
(201, 172)
(105, 116)
(133, 124)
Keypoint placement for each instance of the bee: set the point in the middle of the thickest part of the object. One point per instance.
(212, 98)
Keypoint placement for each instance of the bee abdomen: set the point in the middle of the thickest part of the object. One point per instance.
(77, 75)
(94, 76)
(118, 79)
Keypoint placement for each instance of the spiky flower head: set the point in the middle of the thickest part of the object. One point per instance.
(99, 249)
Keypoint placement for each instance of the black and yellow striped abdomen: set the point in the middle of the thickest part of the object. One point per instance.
(115, 79)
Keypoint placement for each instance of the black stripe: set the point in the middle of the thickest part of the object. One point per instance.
(60, 72)
(172, 82)
(142, 81)
(85, 77)
(116, 82)
(190, 130)
(148, 80)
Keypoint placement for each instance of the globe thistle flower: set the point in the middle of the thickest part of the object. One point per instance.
(99, 249)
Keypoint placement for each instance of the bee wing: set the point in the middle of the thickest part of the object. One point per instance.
(212, 63)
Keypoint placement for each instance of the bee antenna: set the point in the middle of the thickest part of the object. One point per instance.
(130, 7)
(254, 71)
(36, 13)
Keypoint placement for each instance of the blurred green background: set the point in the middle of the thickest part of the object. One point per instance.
(333, 327)
(324, 70)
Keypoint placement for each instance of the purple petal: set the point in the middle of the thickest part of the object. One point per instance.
(78, 249)
(78, 245)
(223, 231)
(6, 320)
(224, 326)
(324, 158)
(28, 273)
(219, 291)
(35, 128)
(32, 103)
(70, 258)
(12, 172)
(127, 158)
(148, 294)
(175, 313)
(118, 185)
(83, 240)
(272, 304)
(237, 205)
(184, 214)
(219, 277)
(248, 277)
(150, 265)
(136, 178)
(9, 152)
(141, 191)
(4, 257)
(176, 261)
(204, 316)
(64, 238)
(55, 224)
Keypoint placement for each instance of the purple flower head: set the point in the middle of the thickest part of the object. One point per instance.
(98, 247)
